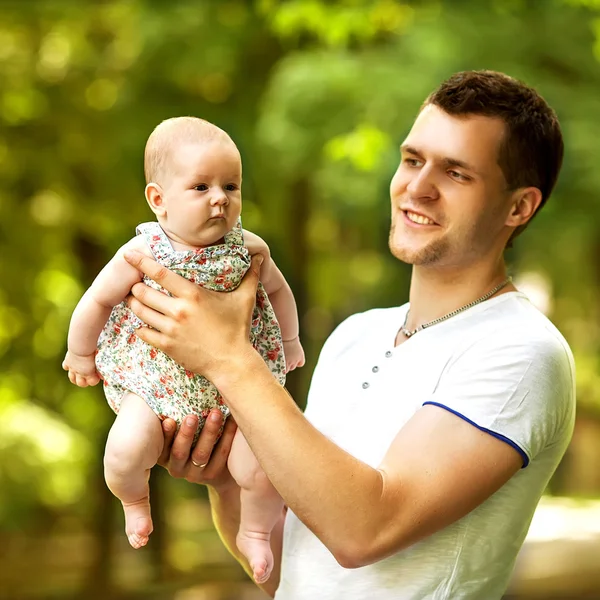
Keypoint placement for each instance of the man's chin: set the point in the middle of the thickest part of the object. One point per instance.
(415, 256)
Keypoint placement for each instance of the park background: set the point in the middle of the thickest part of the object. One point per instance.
(318, 97)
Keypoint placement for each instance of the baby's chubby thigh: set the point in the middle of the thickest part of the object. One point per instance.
(135, 440)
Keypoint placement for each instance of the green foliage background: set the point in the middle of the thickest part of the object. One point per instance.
(318, 96)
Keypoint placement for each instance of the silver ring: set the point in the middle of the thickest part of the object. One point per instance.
(197, 465)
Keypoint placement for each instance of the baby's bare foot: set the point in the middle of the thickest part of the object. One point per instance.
(256, 547)
(138, 523)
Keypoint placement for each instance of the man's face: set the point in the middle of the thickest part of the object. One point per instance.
(449, 196)
(202, 192)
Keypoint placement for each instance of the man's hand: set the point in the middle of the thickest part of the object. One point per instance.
(207, 462)
(294, 354)
(202, 330)
(81, 369)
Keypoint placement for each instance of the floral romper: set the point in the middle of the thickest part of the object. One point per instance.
(128, 364)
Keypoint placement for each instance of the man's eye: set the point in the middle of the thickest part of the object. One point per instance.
(411, 162)
(201, 188)
(457, 175)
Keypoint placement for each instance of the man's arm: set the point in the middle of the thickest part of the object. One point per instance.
(373, 512)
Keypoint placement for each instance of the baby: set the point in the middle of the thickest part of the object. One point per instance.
(194, 176)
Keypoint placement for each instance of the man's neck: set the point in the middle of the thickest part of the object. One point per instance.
(435, 292)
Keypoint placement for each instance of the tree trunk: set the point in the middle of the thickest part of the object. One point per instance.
(296, 227)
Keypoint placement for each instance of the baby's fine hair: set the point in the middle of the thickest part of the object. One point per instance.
(174, 131)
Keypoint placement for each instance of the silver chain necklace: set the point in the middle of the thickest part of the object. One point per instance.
(409, 333)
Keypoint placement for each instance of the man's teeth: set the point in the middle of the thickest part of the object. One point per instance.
(419, 219)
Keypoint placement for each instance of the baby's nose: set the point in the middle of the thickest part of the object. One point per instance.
(219, 198)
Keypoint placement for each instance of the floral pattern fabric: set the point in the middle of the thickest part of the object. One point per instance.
(126, 363)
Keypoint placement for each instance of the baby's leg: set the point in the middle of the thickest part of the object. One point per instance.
(134, 444)
(260, 508)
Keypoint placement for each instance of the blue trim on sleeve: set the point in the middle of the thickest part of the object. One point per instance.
(498, 436)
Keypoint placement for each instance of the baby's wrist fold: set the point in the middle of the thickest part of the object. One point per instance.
(80, 355)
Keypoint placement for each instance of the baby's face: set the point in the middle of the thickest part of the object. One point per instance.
(202, 192)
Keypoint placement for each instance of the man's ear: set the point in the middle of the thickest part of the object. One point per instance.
(155, 199)
(525, 203)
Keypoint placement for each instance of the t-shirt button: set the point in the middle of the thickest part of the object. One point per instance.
(365, 385)
(388, 353)
(375, 369)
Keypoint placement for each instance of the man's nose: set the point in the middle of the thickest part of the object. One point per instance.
(423, 185)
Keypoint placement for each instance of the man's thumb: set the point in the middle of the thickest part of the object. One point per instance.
(252, 276)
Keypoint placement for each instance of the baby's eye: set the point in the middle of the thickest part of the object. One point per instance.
(201, 188)
(231, 187)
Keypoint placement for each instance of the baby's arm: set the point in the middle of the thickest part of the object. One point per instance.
(282, 300)
(110, 287)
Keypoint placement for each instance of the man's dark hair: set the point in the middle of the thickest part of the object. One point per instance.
(531, 153)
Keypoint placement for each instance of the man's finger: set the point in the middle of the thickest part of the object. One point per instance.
(255, 264)
(169, 428)
(250, 281)
(208, 438)
(177, 285)
(152, 337)
(182, 445)
(222, 448)
(152, 298)
(148, 315)
(220, 453)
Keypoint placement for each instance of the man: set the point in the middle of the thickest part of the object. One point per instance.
(432, 428)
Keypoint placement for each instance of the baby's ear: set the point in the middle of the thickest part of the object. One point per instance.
(154, 197)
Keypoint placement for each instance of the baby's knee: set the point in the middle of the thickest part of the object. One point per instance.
(261, 482)
(126, 455)
(120, 459)
(253, 477)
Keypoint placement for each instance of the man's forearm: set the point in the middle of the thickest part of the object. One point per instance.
(303, 464)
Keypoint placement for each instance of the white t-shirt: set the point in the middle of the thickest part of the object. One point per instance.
(501, 366)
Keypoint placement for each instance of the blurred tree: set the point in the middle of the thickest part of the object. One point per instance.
(318, 97)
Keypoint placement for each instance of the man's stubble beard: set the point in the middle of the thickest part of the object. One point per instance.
(428, 255)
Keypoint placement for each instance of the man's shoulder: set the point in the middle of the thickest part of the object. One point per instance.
(520, 323)
(515, 337)
(511, 372)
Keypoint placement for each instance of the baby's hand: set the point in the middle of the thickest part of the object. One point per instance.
(294, 354)
(82, 369)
